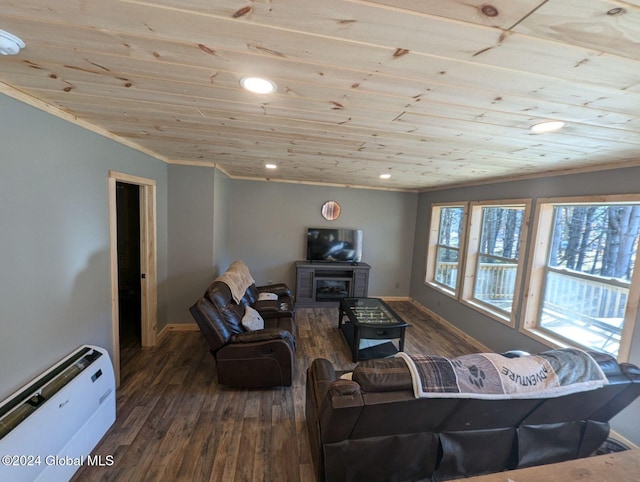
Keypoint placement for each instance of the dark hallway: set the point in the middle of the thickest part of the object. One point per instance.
(129, 289)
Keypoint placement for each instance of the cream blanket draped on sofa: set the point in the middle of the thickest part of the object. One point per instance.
(237, 278)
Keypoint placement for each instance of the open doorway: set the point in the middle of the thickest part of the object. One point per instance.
(133, 247)
(129, 287)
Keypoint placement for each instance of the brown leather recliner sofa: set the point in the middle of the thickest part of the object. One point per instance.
(249, 358)
(372, 428)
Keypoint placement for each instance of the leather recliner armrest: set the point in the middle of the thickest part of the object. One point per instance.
(337, 403)
(273, 307)
(631, 371)
(323, 371)
(321, 375)
(271, 315)
(279, 289)
(339, 411)
(266, 306)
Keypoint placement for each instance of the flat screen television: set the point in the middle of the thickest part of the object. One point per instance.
(334, 245)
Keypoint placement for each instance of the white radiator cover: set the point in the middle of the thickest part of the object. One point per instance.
(57, 438)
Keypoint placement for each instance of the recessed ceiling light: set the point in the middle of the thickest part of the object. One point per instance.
(385, 176)
(270, 166)
(549, 126)
(258, 85)
(9, 43)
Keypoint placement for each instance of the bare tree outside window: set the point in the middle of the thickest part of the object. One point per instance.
(588, 274)
(497, 264)
(600, 240)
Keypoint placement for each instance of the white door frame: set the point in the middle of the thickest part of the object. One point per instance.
(148, 262)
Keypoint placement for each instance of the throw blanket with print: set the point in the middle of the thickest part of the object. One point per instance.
(493, 376)
(237, 278)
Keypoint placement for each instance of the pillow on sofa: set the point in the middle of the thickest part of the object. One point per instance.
(267, 296)
(252, 321)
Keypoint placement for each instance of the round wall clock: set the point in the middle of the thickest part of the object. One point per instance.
(330, 210)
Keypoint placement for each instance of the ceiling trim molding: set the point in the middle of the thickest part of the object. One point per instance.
(324, 184)
(553, 173)
(64, 115)
(195, 163)
(290, 181)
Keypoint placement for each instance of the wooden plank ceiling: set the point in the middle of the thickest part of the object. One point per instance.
(433, 92)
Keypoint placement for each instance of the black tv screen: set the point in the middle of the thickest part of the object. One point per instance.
(325, 244)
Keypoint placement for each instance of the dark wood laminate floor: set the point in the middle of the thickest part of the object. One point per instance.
(175, 423)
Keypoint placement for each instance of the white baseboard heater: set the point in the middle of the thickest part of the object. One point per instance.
(49, 427)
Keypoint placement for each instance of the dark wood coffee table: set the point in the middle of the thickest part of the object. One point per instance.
(370, 319)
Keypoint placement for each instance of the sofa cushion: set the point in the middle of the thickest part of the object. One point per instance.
(252, 321)
(383, 375)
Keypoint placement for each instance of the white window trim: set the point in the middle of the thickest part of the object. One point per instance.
(538, 249)
(472, 252)
(432, 246)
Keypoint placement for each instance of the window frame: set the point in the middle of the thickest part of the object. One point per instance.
(472, 252)
(433, 243)
(540, 240)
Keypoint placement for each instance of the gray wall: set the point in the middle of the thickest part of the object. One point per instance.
(214, 220)
(55, 290)
(268, 223)
(221, 221)
(197, 235)
(493, 334)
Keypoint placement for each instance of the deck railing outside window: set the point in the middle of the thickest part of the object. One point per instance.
(585, 308)
(582, 308)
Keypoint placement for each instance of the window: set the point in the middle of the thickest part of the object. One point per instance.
(445, 244)
(583, 273)
(494, 261)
